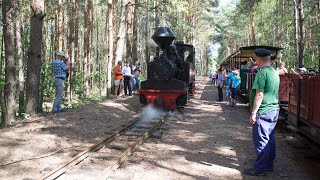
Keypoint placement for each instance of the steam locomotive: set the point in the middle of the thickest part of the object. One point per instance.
(171, 74)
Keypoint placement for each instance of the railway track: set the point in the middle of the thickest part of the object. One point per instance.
(110, 152)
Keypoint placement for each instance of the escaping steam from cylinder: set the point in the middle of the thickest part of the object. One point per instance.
(150, 112)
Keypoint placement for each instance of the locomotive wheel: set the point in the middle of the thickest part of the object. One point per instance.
(143, 99)
(182, 100)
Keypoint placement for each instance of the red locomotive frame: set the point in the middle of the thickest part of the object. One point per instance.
(163, 98)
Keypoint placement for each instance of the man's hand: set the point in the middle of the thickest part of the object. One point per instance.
(66, 61)
(256, 104)
(252, 119)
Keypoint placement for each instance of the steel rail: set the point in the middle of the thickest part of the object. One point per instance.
(117, 163)
(84, 154)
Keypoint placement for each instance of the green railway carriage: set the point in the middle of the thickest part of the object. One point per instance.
(241, 55)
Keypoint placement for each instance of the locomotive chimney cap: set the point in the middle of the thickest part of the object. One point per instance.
(163, 37)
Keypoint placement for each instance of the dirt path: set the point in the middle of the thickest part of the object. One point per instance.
(43, 143)
(209, 140)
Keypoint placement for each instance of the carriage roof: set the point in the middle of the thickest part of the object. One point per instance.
(245, 52)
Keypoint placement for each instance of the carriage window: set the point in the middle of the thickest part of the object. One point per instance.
(186, 54)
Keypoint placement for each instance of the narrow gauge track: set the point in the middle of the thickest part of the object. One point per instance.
(113, 150)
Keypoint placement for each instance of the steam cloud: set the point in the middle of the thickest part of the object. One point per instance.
(149, 113)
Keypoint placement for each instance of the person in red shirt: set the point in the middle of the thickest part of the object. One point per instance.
(118, 78)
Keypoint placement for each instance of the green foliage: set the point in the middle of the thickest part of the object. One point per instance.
(311, 59)
(143, 78)
(2, 82)
(47, 80)
(78, 84)
(274, 26)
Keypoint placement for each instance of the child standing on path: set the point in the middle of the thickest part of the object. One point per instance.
(235, 83)
(228, 81)
(220, 85)
(213, 78)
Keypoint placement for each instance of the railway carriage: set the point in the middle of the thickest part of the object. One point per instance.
(171, 74)
(298, 95)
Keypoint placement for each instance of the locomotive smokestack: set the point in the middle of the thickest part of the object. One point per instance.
(163, 37)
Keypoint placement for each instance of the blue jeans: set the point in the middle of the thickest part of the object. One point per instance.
(136, 84)
(234, 93)
(59, 84)
(264, 140)
(212, 81)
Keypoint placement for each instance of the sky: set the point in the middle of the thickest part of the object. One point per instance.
(225, 3)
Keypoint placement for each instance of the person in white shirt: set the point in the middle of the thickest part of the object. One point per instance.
(126, 70)
(136, 70)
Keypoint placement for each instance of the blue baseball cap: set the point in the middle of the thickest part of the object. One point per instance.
(261, 52)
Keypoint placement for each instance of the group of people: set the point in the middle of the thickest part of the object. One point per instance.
(127, 78)
(254, 68)
(232, 82)
(281, 70)
(231, 78)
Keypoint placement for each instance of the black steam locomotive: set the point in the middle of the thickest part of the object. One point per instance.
(171, 74)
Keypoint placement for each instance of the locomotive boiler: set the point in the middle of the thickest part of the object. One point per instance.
(171, 74)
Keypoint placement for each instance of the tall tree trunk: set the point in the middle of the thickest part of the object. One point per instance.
(60, 30)
(193, 31)
(76, 63)
(20, 59)
(1, 88)
(90, 29)
(97, 48)
(34, 57)
(122, 32)
(44, 69)
(9, 107)
(55, 36)
(135, 31)
(71, 45)
(85, 52)
(301, 41)
(52, 40)
(206, 61)
(190, 21)
(146, 32)
(129, 38)
(300, 34)
(281, 23)
(110, 45)
(184, 24)
(156, 15)
(252, 32)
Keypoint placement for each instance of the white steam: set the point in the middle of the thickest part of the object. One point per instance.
(149, 113)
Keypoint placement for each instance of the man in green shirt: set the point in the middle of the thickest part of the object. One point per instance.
(264, 107)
